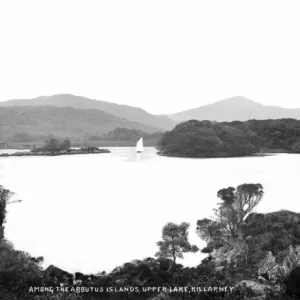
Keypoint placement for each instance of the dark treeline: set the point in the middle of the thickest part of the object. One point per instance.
(256, 254)
(54, 146)
(211, 139)
(120, 136)
(125, 134)
(127, 137)
(25, 124)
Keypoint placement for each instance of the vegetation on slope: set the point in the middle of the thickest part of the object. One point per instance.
(123, 137)
(211, 139)
(55, 146)
(256, 250)
(258, 255)
(125, 134)
(35, 123)
(134, 114)
(127, 137)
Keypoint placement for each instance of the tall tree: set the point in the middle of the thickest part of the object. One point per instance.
(209, 231)
(237, 204)
(65, 144)
(4, 198)
(175, 242)
(52, 145)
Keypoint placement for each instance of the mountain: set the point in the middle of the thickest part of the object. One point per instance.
(124, 111)
(30, 123)
(236, 109)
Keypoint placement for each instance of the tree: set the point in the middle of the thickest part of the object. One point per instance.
(5, 195)
(175, 242)
(51, 145)
(247, 198)
(237, 204)
(296, 147)
(19, 271)
(226, 229)
(54, 145)
(209, 231)
(65, 145)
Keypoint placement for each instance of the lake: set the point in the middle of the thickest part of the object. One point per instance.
(94, 212)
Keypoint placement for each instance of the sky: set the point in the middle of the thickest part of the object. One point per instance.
(164, 56)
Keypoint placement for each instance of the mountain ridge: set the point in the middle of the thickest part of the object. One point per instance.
(39, 122)
(130, 113)
(237, 108)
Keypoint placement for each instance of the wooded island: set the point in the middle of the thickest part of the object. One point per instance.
(229, 139)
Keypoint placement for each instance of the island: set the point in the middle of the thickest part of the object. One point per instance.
(55, 147)
(209, 139)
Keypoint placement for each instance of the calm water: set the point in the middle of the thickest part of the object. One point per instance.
(91, 213)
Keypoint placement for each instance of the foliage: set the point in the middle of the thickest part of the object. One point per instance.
(38, 122)
(279, 134)
(89, 149)
(264, 250)
(18, 271)
(54, 145)
(175, 241)
(273, 232)
(206, 139)
(263, 244)
(126, 134)
(211, 139)
(5, 195)
(235, 206)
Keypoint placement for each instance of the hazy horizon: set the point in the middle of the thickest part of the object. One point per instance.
(163, 56)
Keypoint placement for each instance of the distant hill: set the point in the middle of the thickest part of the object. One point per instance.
(124, 111)
(29, 123)
(125, 134)
(126, 137)
(236, 109)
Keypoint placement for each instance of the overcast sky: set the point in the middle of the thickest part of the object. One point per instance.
(164, 56)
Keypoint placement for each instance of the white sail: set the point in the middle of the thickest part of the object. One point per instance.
(139, 145)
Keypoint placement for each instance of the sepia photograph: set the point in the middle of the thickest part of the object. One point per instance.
(149, 150)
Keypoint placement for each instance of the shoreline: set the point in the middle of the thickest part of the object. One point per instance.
(223, 156)
(74, 152)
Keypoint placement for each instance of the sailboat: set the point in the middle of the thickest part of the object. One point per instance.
(139, 146)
